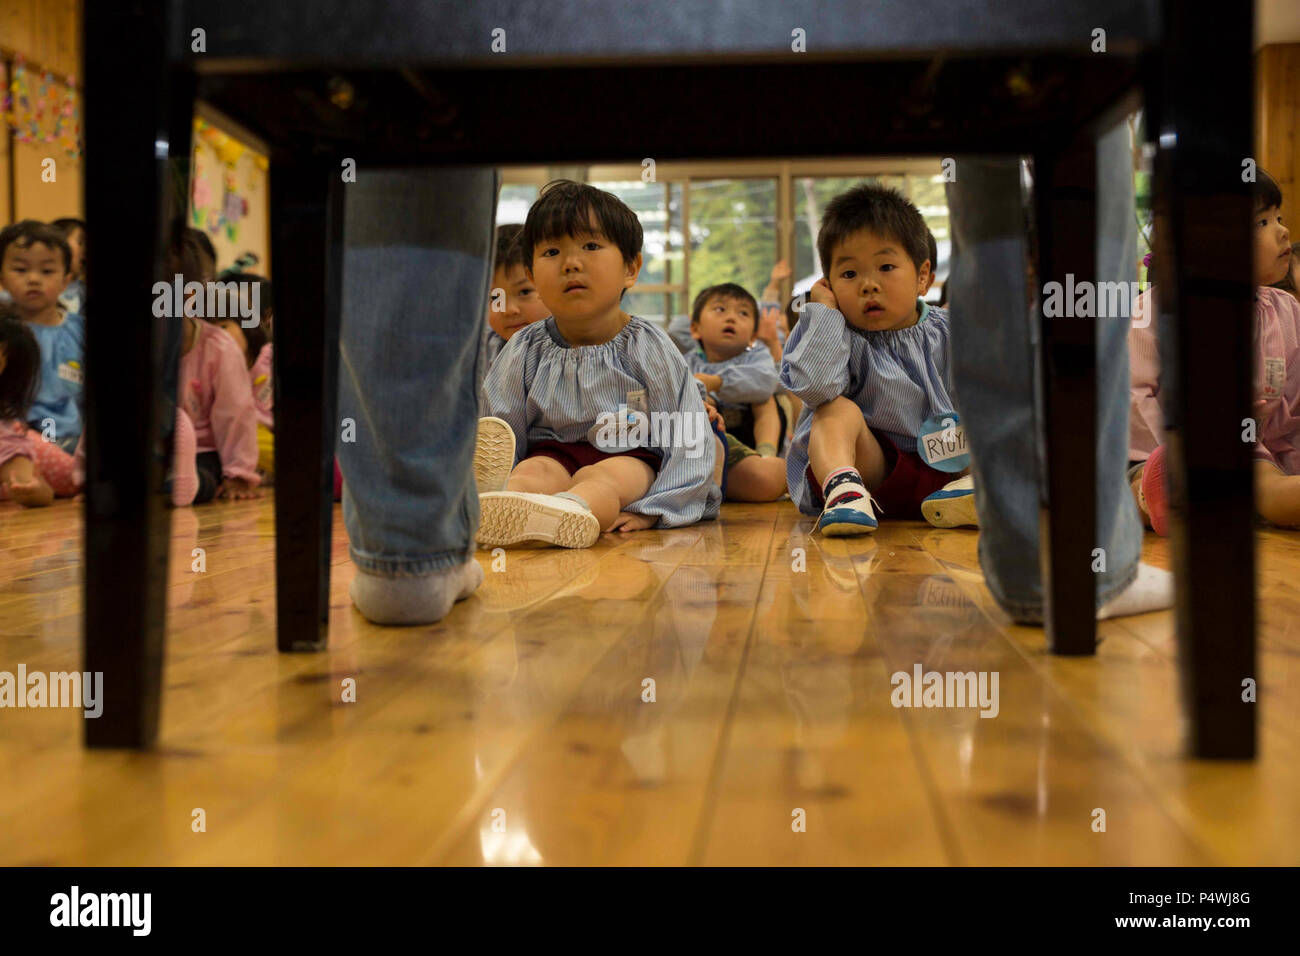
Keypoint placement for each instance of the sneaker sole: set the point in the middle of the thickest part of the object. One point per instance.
(957, 511)
(847, 524)
(506, 519)
(494, 454)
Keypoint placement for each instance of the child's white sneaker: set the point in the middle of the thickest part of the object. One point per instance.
(494, 454)
(952, 506)
(512, 517)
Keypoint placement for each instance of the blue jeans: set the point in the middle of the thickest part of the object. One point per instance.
(994, 352)
(416, 267)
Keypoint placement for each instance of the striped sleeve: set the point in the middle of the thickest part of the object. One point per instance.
(815, 366)
(505, 391)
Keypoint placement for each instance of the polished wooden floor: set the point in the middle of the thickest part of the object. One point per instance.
(514, 732)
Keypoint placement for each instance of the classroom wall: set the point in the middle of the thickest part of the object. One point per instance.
(229, 195)
(1277, 121)
(47, 33)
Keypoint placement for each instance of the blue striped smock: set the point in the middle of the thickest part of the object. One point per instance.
(898, 378)
(546, 389)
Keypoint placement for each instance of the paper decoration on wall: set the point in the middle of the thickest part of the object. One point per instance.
(43, 116)
(208, 211)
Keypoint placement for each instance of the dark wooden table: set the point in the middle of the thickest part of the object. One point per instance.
(419, 83)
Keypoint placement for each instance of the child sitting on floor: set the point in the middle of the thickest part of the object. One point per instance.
(255, 342)
(34, 263)
(740, 378)
(1276, 376)
(869, 360)
(610, 431)
(212, 389)
(20, 364)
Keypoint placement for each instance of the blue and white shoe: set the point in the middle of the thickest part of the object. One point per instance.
(842, 519)
(952, 506)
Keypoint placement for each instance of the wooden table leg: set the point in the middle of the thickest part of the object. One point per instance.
(1204, 250)
(307, 237)
(129, 180)
(1066, 189)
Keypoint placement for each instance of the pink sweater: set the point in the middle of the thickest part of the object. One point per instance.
(260, 377)
(213, 389)
(1276, 406)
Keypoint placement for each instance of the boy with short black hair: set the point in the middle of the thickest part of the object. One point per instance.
(869, 359)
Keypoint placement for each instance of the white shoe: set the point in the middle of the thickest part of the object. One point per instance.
(952, 506)
(512, 517)
(494, 454)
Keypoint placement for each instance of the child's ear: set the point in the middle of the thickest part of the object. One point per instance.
(925, 277)
(633, 270)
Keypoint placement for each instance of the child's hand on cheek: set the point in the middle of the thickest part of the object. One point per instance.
(822, 294)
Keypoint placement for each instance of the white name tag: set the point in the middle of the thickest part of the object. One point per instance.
(1274, 376)
(71, 372)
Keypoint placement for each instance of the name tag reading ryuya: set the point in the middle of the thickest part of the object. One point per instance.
(942, 445)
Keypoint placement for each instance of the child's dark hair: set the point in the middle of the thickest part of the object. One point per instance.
(566, 208)
(185, 252)
(509, 251)
(67, 225)
(22, 371)
(206, 245)
(726, 290)
(1265, 191)
(255, 336)
(29, 232)
(886, 212)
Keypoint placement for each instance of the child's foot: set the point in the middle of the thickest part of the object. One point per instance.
(185, 474)
(953, 506)
(494, 454)
(422, 599)
(1154, 493)
(849, 509)
(1151, 590)
(31, 494)
(512, 517)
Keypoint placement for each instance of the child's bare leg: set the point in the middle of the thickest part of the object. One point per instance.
(840, 438)
(767, 426)
(611, 485)
(25, 486)
(1277, 495)
(540, 475)
(720, 461)
(756, 478)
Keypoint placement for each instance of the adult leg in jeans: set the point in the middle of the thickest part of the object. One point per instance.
(416, 269)
(994, 346)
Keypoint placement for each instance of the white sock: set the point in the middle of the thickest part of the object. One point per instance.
(424, 599)
(1151, 590)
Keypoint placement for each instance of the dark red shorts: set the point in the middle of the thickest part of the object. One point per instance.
(908, 481)
(580, 454)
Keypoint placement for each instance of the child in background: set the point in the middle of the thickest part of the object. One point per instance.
(558, 380)
(1277, 381)
(34, 262)
(74, 296)
(213, 391)
(514, 302)
(740, 379)
(869, 359)
(255, 343)
(20, 364)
